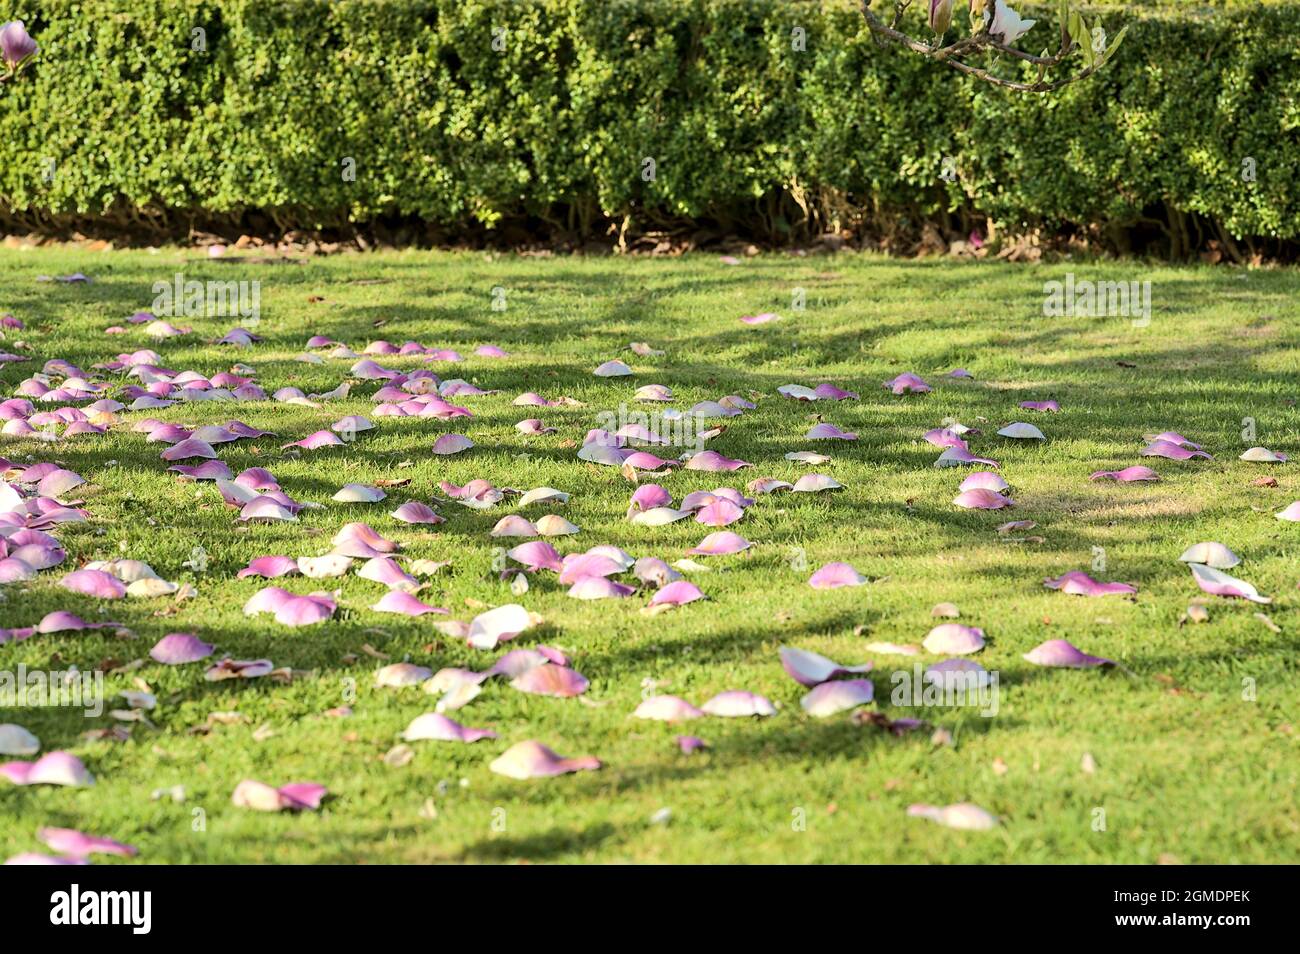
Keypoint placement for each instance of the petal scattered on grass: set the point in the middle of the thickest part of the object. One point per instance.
(834, 575)
(531, 759)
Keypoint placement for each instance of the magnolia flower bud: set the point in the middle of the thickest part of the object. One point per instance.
(940, 15)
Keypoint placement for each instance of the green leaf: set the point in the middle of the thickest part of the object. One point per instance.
(1114, 45)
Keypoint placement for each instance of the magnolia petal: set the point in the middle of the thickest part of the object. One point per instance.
(549, 679)
(737, 704)
(815, 483)
(677, 593)
(94, 583)
(720, 543)
(1050, 406)
(358, 493)
(811, 669)
(713, 461)
(69, 841)
(15, 740)
(1078, 583)
(829, 432)
(1262, 455)
(536, 555)
(834, 575)
(449, 444)
(415, 512)
(1162, 448)
(324, 567)
(599, 588)
(831, 698)
(964, 816)
(496, 626)
(532, 759)
(959, 456)
(305, 610)
(401, 675)
(1059, 653)
(611, 369)
(398, 601)
(175, 649)
(1217, 583)
(982, 499)
(1021, 431)
(1291, 514)
(1214, 555)
(667, 709)
(56, 768)
(907, 383)
(553, 525)
(1127, 475)
(953, 639)
(984, 480)
(436, 727)
(514, 526)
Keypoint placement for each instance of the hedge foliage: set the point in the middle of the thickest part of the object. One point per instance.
(742, 126)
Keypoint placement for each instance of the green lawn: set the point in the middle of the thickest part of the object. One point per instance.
(1186, 769)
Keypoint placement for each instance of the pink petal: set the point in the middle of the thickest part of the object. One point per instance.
(397, 601)
(189, 448)
(68, 841)
(1078, 583)
(1061, 654)
(667, 709)
(599, 588)
(403, 674)
(415, 512)
(690, 743)
(449, 444)
(305, 610)
(953, 639)
(812, 669)
(531, 759)
(175, 649)
(984, 480)
(907, 382)
(436, 727)
(536, 555)
(94, 583)
(1128, 474)
(677, 593)
(834, 575)
(964, 816)
(720, 543)
(317, 440)
(738, 704)
(713, 461)
(1173, 451)
(1218, 583)
(269, 567)
(56, 768)
(719, 513)
(549, 679)
(823, 432)
(981, 499)
(499, 625)
(957, 456)
(831, 698)
(1040, 406)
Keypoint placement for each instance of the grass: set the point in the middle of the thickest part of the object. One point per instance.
(1187, 770)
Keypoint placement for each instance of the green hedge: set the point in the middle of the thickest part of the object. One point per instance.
(744, 130)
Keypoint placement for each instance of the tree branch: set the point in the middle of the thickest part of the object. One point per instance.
(979, 42)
